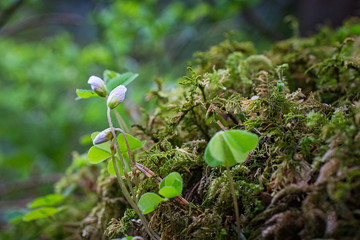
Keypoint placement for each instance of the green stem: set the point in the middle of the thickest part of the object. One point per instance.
(232, 189)
(132, 162)
(119, 152)
(126, 193)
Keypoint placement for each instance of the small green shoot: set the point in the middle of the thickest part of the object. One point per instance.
(171, 186)
(227, 148)
(107, 144)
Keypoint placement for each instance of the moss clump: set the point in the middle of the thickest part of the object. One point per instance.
(301, 182)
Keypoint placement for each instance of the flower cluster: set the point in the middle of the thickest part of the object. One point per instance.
(116, 96)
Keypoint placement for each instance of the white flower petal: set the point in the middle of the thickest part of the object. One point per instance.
(116, 96)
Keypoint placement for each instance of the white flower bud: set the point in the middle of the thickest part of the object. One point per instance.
(116, 96)
(98, 86)
(103, 136)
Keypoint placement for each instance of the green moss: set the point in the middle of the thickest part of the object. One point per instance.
(297, 129)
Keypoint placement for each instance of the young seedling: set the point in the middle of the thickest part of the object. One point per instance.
(109, 146)
(227, 148)
(171, 186)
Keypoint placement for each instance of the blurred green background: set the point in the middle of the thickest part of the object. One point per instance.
(50, 48)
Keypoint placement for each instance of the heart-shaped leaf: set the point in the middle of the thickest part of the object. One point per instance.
(229, 147)
(97, 155)
(212, 162)
(40, 213)
(149, 202)
(134, 143)
(171, 186)
(48, 200)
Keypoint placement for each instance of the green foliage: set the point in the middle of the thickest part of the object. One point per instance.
(149, 202)
(171, 186)
(229, 147)
(133, 142)
(48, 200)
(39, 213)
(114, 79)
(97, 155)
(43, 209)
(83, 93)
(101, 152)
(146, 26)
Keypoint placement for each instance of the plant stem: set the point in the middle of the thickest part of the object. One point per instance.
(126, 193)
(232, 189)
(119, 152)
(132, 162)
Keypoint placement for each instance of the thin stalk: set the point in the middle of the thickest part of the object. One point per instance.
(119, 152)
(126, 193)
(232, 189)
(132, 162)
